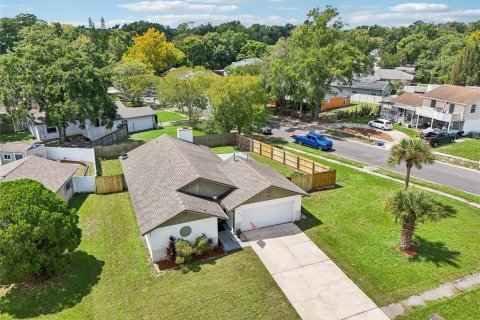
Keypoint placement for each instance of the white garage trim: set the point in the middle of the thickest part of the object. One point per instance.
(268, 213)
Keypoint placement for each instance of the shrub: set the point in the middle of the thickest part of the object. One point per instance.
(171, 252)
(184, 249)
(201, 245)
(179, 260)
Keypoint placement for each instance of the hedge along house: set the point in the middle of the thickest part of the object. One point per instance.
(12, 151)
(54, 175)
(134, 118)
(183, 190)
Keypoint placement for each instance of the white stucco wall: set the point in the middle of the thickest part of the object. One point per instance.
(471, 125)
(293, 204)
(157, 240)
(84, 184)
(141, 123)
(78, 154)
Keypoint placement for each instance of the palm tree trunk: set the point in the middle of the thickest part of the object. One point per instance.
(407, 177)
(407, 234)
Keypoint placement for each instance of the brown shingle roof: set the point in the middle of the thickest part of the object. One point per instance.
(156, 170)
(15, 147)
(409, 99)
(252, 178)
(52, 174)
(451, 93)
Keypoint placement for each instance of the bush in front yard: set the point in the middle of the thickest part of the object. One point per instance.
(201, 245)
(171, 252)
(184, 250)
(37, 231)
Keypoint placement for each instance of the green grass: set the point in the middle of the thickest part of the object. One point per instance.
(15, 137)
(283, 169)
(109, 167)
(469, 149)
(111, 278)
(351, 225)
(225, 149)
(167, 116)
(464, 306)
(152, 134)
(409, 132)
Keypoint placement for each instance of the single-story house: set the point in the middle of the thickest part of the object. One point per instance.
(368, 86)
(184, 190)
(54, 175)
(335, 99)
(393, 75)
(12, 151)
(135, 118)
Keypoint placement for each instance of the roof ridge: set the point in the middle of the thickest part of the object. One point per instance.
(248, 165)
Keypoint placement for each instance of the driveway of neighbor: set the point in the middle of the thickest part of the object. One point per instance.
(313, 283)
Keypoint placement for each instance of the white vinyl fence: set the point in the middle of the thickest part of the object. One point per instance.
(83, 184)
(365, 98)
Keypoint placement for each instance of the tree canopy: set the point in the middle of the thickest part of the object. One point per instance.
(38, 233)
(133, 78)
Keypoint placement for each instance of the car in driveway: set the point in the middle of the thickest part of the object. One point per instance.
(436, 138)
(314, 140)
(266, 131)
(381, 124)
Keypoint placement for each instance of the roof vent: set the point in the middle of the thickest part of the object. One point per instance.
(124, 155)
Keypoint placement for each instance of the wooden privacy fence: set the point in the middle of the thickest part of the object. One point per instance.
(110, 184)
(216, 140)
(316, 176)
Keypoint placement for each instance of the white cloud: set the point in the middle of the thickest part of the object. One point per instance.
(175, 5)
(420, 7)
(174, 20)
(285, 8)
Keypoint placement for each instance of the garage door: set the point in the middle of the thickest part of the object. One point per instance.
(265, 215)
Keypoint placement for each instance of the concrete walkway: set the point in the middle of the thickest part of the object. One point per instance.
(444, 291)
(313, 283)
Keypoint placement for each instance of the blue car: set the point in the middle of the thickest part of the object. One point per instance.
(314, 140)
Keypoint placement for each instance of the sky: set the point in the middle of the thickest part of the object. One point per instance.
(173, 12)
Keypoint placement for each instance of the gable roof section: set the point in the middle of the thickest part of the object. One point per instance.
(452, 93)
(409, 99)
(15, 147)
(52, 174)
(124, 112)
(252, 178)
(366, 83)
(393, 74)
(156, 171)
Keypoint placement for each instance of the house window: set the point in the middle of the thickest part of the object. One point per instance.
(68, 186)
(7, 157)
(185, 231)
(433, 103)
(18, 156)
(452, 108)
(473, 109)
(51, 130)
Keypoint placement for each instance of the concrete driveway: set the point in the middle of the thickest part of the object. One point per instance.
(313, 283)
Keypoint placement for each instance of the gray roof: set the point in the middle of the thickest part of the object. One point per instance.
(393, 74)
(124, 112)
(245, 62)
(52, 174)
(156, 171)
(336, 93)
(252, 178)
(368, 83)
(15, 147)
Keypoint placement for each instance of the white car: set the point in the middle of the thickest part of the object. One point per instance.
(381, 124)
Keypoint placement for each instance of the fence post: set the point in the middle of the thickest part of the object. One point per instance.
(298, 162)
(284, 157)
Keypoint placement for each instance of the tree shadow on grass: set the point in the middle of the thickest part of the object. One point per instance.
(56, 294)
(309, 222)
(197, 266)
(436, 252)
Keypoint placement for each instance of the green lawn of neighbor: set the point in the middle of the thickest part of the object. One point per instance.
(23, 136)
(409, 132)
(351, 225)
(109, 167)
(152, 134)
(469, 149)
(464, 306)
(111, 278)
(166, 116)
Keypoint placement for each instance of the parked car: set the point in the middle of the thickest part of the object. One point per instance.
(429, 132)
(266, 130)
(381, 124)
(314, 140)
(441, 137)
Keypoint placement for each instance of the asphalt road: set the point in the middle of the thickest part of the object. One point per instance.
(448, 175)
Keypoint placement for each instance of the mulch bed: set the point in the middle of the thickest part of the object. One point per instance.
(365, 132)
(169, 264)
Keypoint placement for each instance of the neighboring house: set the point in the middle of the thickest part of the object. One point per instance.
(136, 119)
(393, 75)
(12, 151)
(54, 175)
(407, 69)
(402, 108)
(184, 190)
(335, 99)
(366, 86)
(451, 107)
(245, 62)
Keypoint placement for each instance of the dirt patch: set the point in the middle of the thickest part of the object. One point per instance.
(379, 135)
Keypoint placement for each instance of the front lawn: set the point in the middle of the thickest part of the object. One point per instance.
(23, 136)
(152, 134)
(464, 306)
(111, 278)
(167, 116)
(409, 132)
(469, 149)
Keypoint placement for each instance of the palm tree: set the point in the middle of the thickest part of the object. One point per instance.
(410, 207)
(414, 152)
